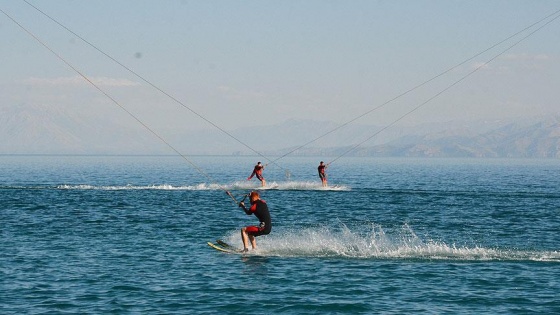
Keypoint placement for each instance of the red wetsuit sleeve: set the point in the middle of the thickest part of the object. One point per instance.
(253, 208)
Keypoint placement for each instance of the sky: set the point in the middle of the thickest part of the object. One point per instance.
(258, 63)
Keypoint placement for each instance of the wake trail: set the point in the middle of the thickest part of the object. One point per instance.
(240, 185)
(375, 243)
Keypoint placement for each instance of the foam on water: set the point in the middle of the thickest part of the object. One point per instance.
(375, 243)
(289, 185)
(135, 187)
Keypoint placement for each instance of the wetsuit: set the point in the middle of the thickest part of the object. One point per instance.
(260, 210)
(322, 174)
(257, 171)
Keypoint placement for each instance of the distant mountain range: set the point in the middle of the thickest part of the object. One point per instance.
(36, 129)
(46, 130)
(528, 139)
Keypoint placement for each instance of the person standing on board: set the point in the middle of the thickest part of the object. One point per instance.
(260, 209)
(322, 174)
(257, 171)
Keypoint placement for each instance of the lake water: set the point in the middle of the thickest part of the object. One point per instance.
(87, 234)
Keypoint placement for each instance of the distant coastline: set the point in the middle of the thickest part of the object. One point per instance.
(523, 138)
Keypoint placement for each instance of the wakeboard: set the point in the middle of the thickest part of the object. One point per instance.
(224, 247)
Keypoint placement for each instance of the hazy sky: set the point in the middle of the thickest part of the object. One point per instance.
(263, 62)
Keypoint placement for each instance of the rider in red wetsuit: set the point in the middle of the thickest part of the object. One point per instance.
(260, 209)
(257, 171)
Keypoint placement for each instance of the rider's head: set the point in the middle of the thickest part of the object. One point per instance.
(254, 196)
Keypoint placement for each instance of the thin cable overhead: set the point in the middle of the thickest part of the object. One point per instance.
(156, 87)
(320, 137)
(200, 170)
(419, 85)
(450, 86)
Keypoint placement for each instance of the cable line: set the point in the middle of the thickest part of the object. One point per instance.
(287, 172)
(156, 87)
(200, 170)
(419, 85)
(347, 122)
(448, 87)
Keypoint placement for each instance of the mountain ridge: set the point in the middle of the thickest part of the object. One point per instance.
(42, 129)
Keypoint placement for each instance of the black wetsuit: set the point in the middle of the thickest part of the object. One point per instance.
(321, 170)
(260, 209)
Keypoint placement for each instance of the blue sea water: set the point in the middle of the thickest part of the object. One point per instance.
(127, 234)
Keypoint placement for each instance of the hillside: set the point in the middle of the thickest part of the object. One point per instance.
(49, 130)
(528, 139)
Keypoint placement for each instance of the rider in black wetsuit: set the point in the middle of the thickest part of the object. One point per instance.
(322, 173)
(260, 209)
